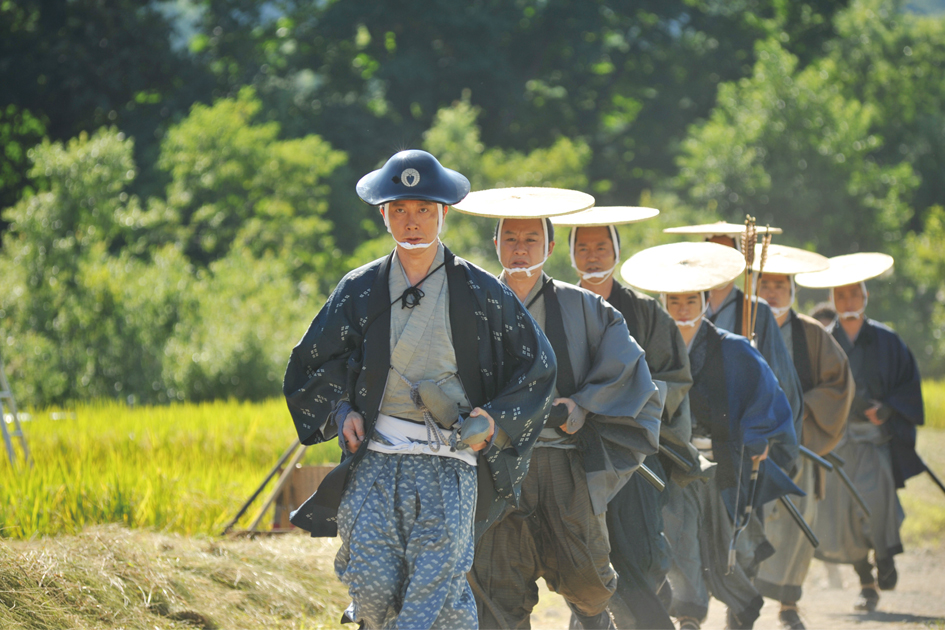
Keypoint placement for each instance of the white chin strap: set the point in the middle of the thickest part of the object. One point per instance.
(781, 310)
(595, 277)
(689, 323)
(857, 314)
(528, 271)
(385, 207)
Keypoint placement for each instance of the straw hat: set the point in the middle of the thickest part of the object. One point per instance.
(720, 228)
(789, 261)
(849, 269)
(523, 203)
(683, 267)
(605, 215)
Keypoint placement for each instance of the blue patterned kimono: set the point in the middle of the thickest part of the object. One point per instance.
(506, 366)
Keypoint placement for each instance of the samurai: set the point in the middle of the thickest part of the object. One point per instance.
(724, 310)
(436, 381)
(879, 442)
(605, 421)
(638, 549)
(741, 421)
(824, 372)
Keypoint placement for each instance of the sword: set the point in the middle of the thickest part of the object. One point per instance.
(676, 458)
(938, 482)
(796, 515)
(814, 457)
(651, 477)
(753, 484)
(838, 468)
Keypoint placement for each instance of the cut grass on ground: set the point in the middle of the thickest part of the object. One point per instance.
(113, 577)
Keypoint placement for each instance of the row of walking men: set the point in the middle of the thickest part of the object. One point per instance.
(634, 452)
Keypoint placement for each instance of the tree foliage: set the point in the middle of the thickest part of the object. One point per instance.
(189, 195)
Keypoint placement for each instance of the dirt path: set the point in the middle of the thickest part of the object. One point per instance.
(917, 602)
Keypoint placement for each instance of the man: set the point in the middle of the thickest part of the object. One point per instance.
(879, 442)
(824, 373)
(739, 417)
(605, 423)
(725, 311)
(638, 549)
(402, 344)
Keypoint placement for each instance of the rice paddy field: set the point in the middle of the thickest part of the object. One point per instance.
(187, 468)
(183, 468)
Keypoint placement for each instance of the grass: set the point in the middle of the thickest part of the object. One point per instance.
(113, 577)
(183, 468)
(933, 394)
(922, 500)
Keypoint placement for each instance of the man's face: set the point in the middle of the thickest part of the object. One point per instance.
(593, 249)
(849, 298)
(413, 221)
(684, 307)
(775, 288)
(522, 243)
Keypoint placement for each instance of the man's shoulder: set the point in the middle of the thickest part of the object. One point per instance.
(480, 280)
(881, 328)
(886, 334)
(575, 292)
(812, 326)
(363, 274)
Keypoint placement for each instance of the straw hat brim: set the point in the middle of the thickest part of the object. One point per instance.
(683, 267)
(524, 203)
(848, 269)
(790, 261)
(605, 215)
(720, 228)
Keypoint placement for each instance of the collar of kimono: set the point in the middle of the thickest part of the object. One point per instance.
(385, 207)
(595, 277)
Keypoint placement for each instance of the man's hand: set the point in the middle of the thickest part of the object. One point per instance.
(760, 458)
(576, 415)
(479, 411)
(872, 414)
(353, 431)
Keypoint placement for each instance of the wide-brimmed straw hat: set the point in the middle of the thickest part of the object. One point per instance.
(683, 267)
(524, 203)
(605, 215)
(848, 269)
(720, 228)
(789, 261)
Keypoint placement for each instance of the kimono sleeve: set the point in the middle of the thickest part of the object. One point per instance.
(760, 413)
(775, 353)
(827, 404)
(316, 377)
(528, 370)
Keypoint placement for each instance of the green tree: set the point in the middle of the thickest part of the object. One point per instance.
(83, 64)
(80, 318)
(235, 183)
(790, 147)
(896, 62)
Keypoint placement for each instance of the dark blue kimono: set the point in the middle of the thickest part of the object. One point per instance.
(886, 371)
(753, 413)
(505, 364)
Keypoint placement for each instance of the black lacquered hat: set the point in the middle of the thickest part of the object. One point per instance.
(413, 174)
